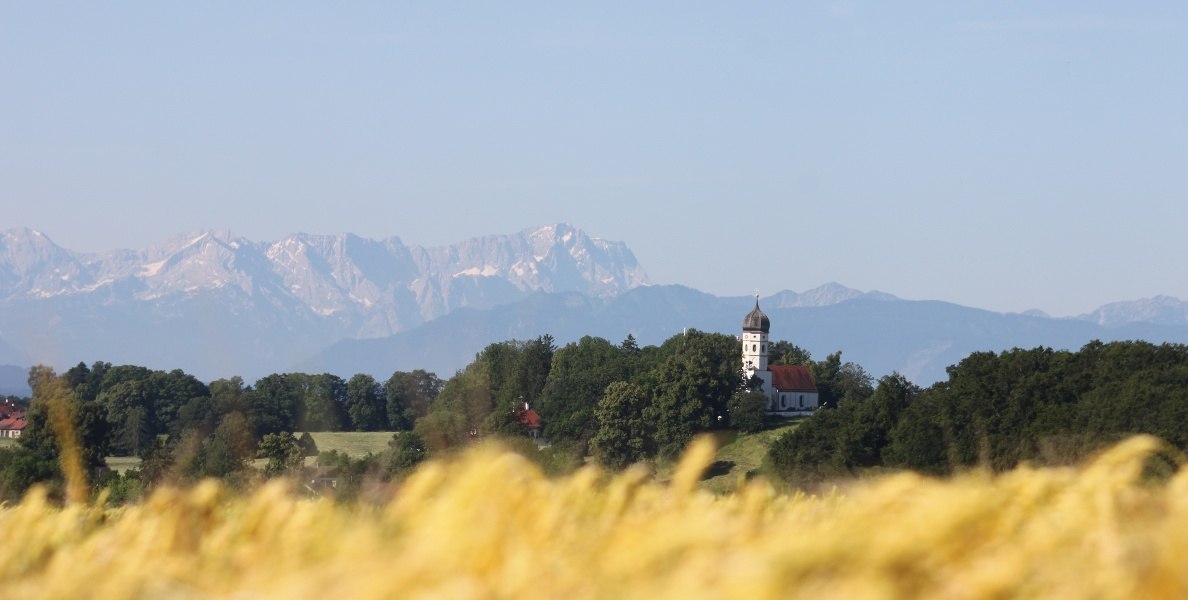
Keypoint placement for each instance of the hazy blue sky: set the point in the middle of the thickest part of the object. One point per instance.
(1006, 155)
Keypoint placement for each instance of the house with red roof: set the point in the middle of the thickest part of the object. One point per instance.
(12, 420)
(528, 419)
(790, 389)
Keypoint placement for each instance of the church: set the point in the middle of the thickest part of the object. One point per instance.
(790, 389)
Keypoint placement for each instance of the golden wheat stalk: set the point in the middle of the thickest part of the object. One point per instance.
(490, 525)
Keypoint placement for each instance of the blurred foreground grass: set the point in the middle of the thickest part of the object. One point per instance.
(489, 525)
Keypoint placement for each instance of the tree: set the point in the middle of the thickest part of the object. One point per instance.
(867, 431)
(787, 353)
(623, 435)
(198, 414)
(693, 387)
(443, 429)
(579, 376)
(283, 452)
(852, 384)
(21, 469)
(809, 454)
(365, 405)
(272, 405)
(228, 451)
(230, 395)
(748, 411)
(481, 399)
(127, 407)
(84, 422)
(629, 347)
(309, 447)
(320, 401)
(407, 450)
(825, 374)
(408, 396)
(530, 371)
(167, 392)
(85, 381)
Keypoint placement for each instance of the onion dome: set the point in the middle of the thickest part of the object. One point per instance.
(756, 320)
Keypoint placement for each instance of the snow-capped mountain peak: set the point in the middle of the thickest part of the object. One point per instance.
(373, 287)
(1164, 310)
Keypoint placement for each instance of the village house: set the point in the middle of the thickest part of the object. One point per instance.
(12, 420)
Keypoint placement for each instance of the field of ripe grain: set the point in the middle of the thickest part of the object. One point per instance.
(489, 525)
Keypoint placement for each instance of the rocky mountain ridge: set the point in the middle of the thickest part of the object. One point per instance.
(217, 305)
(371, 288)
(1163, 310)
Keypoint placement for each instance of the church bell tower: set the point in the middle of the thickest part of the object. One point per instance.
(756, 326)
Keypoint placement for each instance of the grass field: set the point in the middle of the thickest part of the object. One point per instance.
(120, 464)
(8, 442)
(739, 457)
(353, 443)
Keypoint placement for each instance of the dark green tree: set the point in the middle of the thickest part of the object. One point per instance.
(629, 346)
(867, 431)
(693, 387)
(406, 451)
(408, 396)
(198, 414)
(228, 452)
(167, 393)
(787, 353)
(283, 452)
(230, 395)
(321, 401)
(624, 433)
(748, 411)
(309, 447)
(365, 404)
(579, 376)
(21, 469)
(86, 421)
(127, 406)
(272, 405)
(443, 429)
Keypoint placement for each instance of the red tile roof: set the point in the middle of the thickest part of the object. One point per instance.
(528, 418)
(11, 423)
(792, 378)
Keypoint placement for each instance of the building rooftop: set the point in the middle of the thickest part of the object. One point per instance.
(792, 378)
(756, 320)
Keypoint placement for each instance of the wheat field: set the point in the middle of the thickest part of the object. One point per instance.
(489, 525)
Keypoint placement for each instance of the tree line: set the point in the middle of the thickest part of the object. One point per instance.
(997, 410)
(620, 403)
(184, 428)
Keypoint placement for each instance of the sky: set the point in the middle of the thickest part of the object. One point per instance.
(1002, 155)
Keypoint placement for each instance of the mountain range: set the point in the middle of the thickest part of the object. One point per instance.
(217, 305)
